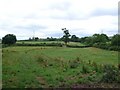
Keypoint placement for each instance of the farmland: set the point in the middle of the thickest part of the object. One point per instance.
(40, 67)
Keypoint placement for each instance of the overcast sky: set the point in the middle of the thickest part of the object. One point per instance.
(46, 18)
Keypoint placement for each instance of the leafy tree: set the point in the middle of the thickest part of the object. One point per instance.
(51, 39)
(104, 38)
(30, 39)
(74, 38)
(66, 36)
(36, 38)
(96, 38)
(83, 39)
(116, 40)
(89, 41)
(100, 38)
(9, 39)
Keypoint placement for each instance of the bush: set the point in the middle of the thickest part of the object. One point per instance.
(115, 48)
(96, 68)
(39, 44)
(74, 64)
(101, 45)
(85, 69)
(110, 74)
(9, 39)
(75, 46)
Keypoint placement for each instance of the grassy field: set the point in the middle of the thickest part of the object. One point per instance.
(48, 42)
(31, 67)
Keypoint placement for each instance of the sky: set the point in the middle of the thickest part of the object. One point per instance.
(46, 18)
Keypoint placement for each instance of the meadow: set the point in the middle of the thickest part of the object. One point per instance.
(41, 67)
(47, 43)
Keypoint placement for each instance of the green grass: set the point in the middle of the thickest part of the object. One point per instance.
(52, 66)
(36, 42)
(48, 42)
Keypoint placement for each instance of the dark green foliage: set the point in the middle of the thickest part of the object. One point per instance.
(85, 69)
(52, 39)
(102, 41)
(115, 48)
(78, 46)
(115, 40)
(40, 44)
(95, 39)
(95, 66)
(61, 79)
(119, 66)
(100, 38)
(9, 39)
(66, 36)
(111, 74)
(83, 39)
(73, 65)
(74, 38)
(36, 38)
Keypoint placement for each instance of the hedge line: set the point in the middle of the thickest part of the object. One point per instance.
(77, 46)
(107, 46)
(39, 44)
(50, 44)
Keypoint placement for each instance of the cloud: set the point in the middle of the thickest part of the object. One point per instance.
(47, 17)
(103, 12)
(62, 6)
(31, 27)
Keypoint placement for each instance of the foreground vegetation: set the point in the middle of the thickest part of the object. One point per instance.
(39, 67)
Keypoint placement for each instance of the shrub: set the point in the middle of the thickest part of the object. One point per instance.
(75, 63)
(9, 39)
(40, 59)
(39, 44)
(60, 78)
(119, 66)
(110, 74)
(96, 67)
(101, 45)
(115, 48)
(75, 46)
(85, 69)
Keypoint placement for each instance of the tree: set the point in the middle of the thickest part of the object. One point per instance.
(100, 38)
(74, 38)
(36, 38)
(9, 39)
(115, 40)
(66, 36)
(104, 38)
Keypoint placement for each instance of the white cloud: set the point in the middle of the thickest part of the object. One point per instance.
(47, 17)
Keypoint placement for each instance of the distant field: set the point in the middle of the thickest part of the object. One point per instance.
(34, 42)
(39, 42)
(52, 66)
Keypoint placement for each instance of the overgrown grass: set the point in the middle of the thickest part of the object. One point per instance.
(39, 67)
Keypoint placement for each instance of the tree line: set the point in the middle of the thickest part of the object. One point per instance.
(103, 41)
(96, 40)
